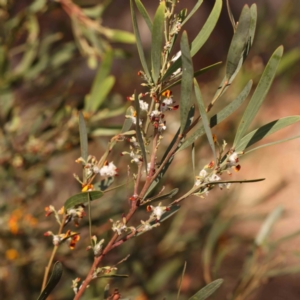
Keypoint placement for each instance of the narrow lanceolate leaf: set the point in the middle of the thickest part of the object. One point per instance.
(139, 133)
(138, 41)
(205, 121)
(202, 36)
(231, 17)
(238, 43)
(128, 121)
(207, 28)
(168, 195)
(207, 290)
(181, 280)
(268, 225)
(219, 117)
(186, 82)
(273, 143)
(99, 94)
(259, 133)
(259, 94)
(102, 74)
(144, 13)
(82, 198)
(253, 19)
(83, 141)
(157, 40)
(195, 8)
(53, 281)
(197, 73)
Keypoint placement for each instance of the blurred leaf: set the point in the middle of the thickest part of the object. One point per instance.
(237, 181)
(195, 8)
(144, 13)
(208, 290)
(139, 42)
(106, 113)
(193, 159)
(37, 5)
(62, 56)
(128, 122)
(238, 43)
(106, 131)
(283, 271)
(53, 281)
(205, 121)
(219, 227)
(197, 73)
(268, 225)
(157, 40)
(32, 44)
(119, 36)
(290, 59)
(139, 134)
(231, 17)
(261, 132)
(163, 275)
(219, 117)
(82, 198)
(83, 137)
(181, 279)
(186, 82)
(104, 184)
(201, 38)
(168, 195)
(99, 94)
(259, 94)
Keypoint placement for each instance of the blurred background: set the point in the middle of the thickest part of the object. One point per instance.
(50, 53)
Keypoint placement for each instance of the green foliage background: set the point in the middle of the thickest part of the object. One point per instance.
(51, 66)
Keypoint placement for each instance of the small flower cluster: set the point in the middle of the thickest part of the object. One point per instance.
(97, 247)
(120, 227)
(71, 237)
(103, 271)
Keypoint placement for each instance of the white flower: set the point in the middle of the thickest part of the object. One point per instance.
(162, 126)
(224, 185)
(155, 113)
(135, 157)
(233, 159)
(144, 105)
(203, 173)
(176, 56)
(109, 170)
(177, 72)
(96, 169)
(168, 101)
(134, 120)
(198, 182)
(214, 177)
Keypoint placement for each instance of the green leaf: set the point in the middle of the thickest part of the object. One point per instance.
(82, 198)
(274, 143)
(128, 122)
(157, 40)
(139, 134)
(144, 13)
(195, 8)
(168, 195)
(201, 38)
(259, 94)
(83, 137)
(138, 41)
(119, 36)
(208, 290)
(207, 28)
(230, 14)
(267, 226)
(97, 95)
(181, 280)
(238, 43)
(53, 281)
(196, 74)
(261, 132)
(219, 117)
(186, 82)
(205, 121)
(106, 131)
(113, 276)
